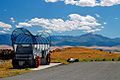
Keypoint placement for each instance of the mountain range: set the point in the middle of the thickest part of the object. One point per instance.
(82, 40)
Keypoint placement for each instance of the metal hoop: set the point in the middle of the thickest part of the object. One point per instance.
(23, 36)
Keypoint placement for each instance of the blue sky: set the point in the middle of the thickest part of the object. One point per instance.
(13, 12)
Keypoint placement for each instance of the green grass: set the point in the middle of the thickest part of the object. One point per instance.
(64, 61)
(59, 61)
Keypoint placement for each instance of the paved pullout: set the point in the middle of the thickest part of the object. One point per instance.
(75, 71)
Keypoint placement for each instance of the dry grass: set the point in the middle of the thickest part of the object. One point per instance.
(83, 54)
(61, 55)
(6, 69)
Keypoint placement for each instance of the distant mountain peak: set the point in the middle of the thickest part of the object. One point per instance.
(89, 39)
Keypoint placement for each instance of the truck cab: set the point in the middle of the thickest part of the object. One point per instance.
(31, 52)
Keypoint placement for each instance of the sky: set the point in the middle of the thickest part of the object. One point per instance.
(61, 17)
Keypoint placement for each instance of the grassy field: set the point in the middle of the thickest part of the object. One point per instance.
(6, 69)
(83, 54)
(61, 55)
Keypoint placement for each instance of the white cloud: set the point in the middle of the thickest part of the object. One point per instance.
(75, 22)
(12, 20)
(6, 29)
(4, 25)
(97, 15)
(52, 0)
(48, 31)
(109, 2)
(90, 3)
(95, 30)
(104, 23)
(2, 31)
(86, 3)
(73, 2)
(116, 18)
(23, 24)
(102, 27)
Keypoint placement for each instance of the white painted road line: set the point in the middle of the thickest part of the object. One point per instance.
(46, 66)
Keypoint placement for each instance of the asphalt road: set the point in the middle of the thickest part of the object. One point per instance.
(75, 71)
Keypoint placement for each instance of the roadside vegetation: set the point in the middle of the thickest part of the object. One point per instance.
(57, 55)
(83, 55)
(6, 68)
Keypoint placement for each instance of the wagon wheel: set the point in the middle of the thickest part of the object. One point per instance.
(37, 61)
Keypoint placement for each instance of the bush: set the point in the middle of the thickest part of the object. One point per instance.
(113, 59)
(104, 59)
(118, 59)
(77, 60)
(6, 54)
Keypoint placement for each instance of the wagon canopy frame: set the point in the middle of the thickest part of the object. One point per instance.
(23, 36)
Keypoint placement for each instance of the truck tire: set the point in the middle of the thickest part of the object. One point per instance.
(48, 60)
(37, 62)
(14, 64)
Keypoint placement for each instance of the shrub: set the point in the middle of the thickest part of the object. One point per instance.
(6, 54)
(77, 60)
(113, 59)
(119, 59)
(104, 59)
